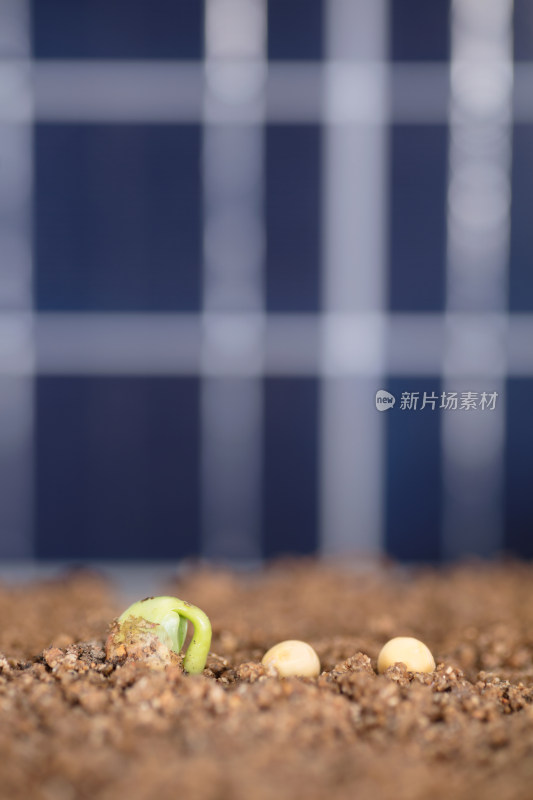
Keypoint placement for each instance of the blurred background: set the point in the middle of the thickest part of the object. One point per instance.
(224, 227)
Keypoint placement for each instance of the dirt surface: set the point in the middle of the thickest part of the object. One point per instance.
(73, 725)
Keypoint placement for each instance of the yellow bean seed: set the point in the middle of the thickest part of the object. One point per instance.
(293, 658)
(411, 652)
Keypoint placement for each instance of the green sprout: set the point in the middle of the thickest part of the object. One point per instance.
(171, 617)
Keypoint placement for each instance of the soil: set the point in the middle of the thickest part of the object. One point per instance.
(73, 725)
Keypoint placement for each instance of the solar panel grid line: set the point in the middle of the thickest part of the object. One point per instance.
(354, 164)
(16, 343)
(117, 343)
(155, 92)
(159, 92)
(231, 400)
(477, 265)
(277, 343)
(518, 350)
(522, 95)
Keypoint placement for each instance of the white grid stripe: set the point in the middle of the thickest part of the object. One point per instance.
(159, 92)
(16, 384)
(477, 272)
(233, 278)
(285, 344)
(351, 433)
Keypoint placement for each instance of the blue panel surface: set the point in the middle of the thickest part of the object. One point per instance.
(118, 217)
(519, 468)
(523, 30)
(295, 29)
(290, 466)
(413, 459)
(417, 243)
(420, 30)
(117, 468)
(293, 217)
(133, 29)
(521, 268)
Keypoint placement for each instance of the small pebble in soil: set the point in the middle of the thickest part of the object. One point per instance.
(293, 658)
(412, 652)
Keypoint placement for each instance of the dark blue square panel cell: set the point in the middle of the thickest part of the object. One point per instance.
(295, 29)
(290, 467)
(293, 217)
(417, 241)
(117, 468)
(420, 30)
(519, 468)
(523, 30)
(413, 484)
(129, 29)
(521, 267)
(117, 217)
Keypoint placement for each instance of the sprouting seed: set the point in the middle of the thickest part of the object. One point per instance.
(170, 617)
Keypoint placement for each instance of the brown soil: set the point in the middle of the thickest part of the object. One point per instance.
(75, 726)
